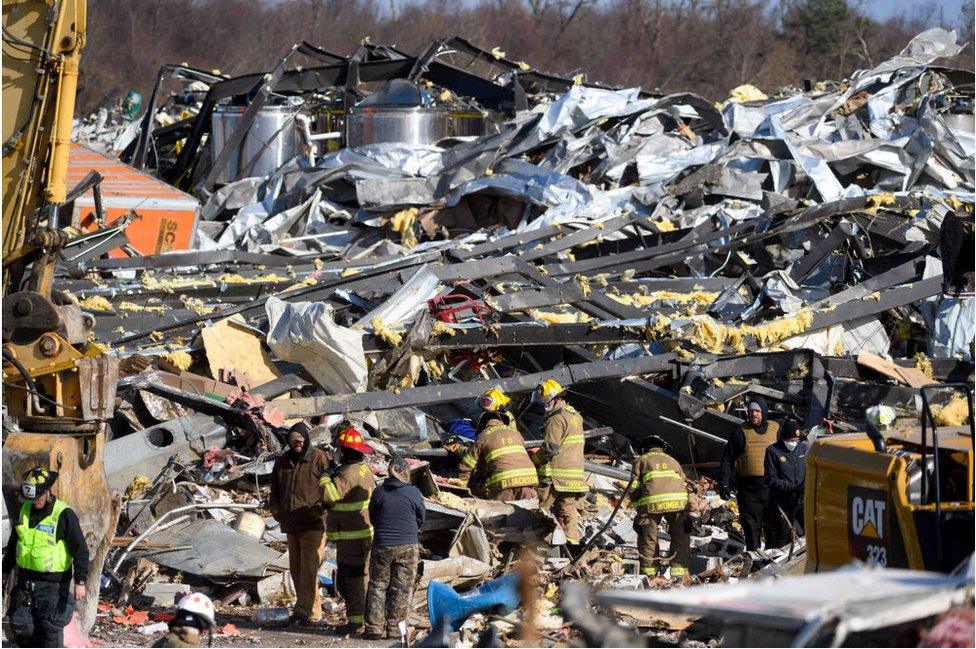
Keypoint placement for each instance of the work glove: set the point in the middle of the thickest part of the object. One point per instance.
(725, 492)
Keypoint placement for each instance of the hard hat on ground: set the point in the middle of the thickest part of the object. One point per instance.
(494, 399)
(548, 390)
(37, 482)
(353, 439)
(199, 605)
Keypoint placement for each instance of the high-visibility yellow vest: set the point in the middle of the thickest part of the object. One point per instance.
(37, 547)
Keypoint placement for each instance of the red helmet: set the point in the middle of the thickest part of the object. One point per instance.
(352, 438)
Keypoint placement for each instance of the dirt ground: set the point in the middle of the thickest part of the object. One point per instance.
(111, 634)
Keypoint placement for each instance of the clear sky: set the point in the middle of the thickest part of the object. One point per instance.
(886, 8)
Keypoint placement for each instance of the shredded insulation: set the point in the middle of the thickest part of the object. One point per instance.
(197, 305)
(954, 413)
(551, 317)
(172, 284)
(384, 333)
(639, 299)
(716, 338)
(234, 278)
(665, 225)
(441, 328)
(132, 307)
(180, 359)
(96, 303)
(923, 364)
(403, 223)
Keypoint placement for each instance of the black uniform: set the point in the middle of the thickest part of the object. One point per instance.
(785, 474)
(756, 515)
(41, 603)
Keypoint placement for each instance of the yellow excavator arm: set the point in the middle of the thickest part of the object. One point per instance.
(42, 42)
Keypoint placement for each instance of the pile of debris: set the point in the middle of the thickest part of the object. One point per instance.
(663, 257)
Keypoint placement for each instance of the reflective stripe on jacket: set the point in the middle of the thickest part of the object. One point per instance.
(659, 486)
(564, 436)
(497, 461)
(37, 547)
(346, 495)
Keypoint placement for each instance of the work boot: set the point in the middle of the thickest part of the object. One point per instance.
(349, 628)
(373, 634)
(299, 619)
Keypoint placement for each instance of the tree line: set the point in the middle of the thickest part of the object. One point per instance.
(705, 46)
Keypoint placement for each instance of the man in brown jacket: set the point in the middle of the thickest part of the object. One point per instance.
(296, 503)
(497, 466)
(560, 460)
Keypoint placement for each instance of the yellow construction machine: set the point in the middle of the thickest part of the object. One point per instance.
(900, 498)
(58, 389)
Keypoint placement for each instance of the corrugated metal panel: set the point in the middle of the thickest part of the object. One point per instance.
(167, 217)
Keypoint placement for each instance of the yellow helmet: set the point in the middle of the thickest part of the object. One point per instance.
(548, 390)
(494, 399)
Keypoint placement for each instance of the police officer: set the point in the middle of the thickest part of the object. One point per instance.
(48, 547)
(560, 460)
(746, 453)
(659, 493)
(786, 470)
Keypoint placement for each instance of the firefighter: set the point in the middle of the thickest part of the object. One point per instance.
(746, 452)
(194, 615)
(560, 460)
(658, 493)
(346, 490)
(48, 548)
(494, 400)
(497, 466)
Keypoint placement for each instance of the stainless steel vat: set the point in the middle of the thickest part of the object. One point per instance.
(271, 141)
(408, 124)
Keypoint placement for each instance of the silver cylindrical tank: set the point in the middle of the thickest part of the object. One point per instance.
(271, 141)
(408, 124)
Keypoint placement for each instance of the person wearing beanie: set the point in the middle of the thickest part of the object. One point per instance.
(296, 503)
(786, 472)
(397, 511)
(745, 455)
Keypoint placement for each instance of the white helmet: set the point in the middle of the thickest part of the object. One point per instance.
(198, 604)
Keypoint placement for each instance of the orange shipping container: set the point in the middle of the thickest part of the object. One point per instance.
(166, 217)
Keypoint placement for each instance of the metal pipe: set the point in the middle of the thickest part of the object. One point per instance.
(696, 431)
(156, 523)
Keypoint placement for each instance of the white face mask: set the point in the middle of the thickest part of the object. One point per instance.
(791, 444)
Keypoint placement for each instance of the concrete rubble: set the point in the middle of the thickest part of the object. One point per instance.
(663, 256)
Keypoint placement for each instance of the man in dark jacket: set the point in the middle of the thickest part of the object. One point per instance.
(786, 470)
(48, 547)
(397, 512)
(745, 453)
(296, 503)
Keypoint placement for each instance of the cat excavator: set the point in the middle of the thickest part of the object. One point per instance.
(58, 389)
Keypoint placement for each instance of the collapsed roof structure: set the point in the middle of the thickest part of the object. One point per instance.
(385, 236)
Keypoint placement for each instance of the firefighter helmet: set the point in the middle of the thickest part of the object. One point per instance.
(494, 400)
(352, 438)
(548, 390)
(37, 482)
